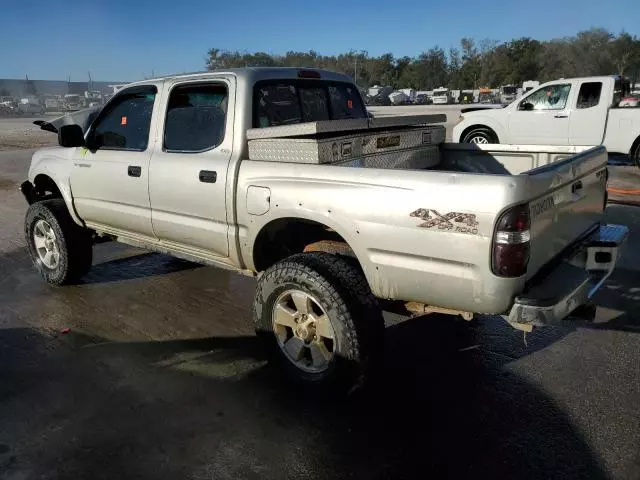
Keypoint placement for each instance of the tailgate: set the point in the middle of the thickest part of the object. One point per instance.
(568, 200)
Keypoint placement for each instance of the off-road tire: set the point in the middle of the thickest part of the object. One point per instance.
(480, 132)
(74, 243)
(343, 292)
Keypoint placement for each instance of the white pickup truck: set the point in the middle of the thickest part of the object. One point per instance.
(572, 111)
(281, 174)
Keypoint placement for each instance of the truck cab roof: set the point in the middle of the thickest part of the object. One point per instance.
(254, 74)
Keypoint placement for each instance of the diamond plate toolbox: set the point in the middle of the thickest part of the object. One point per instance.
(392, 148)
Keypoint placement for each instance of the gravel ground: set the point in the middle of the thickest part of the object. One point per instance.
(149, 369)
(21, 133)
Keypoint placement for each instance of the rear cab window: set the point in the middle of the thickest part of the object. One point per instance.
(287, 102)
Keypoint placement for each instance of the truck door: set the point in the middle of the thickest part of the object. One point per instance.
(109, 178)
(589, 116)
(542, 118)
(188, 173)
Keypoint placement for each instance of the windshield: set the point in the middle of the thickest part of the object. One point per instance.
(286, 102)
(440, 93)
(509, 90)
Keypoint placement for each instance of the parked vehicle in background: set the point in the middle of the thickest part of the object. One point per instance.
(52, 104)
(410, 93)
(422, 98)
(30, 105)
(399, 98)
(508, 93)
(73, 102)
(570, 111)
(529, 85)
(486, 96)
(466, 97)
(8, 106)
(281, 174)
(441, 96)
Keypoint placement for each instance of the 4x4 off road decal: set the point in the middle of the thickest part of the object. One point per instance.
(452, 221)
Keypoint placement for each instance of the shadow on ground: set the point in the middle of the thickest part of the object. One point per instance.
(75, 407)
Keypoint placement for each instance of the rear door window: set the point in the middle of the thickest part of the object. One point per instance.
(296, 101)
(589, 95)
(196, 117)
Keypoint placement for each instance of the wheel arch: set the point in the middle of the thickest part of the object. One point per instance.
(286, 236)
(45, 186)
(635, 147)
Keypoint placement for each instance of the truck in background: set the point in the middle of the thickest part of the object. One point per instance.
(441, 96)
(72, 102)
(508, 93)
(569, 111)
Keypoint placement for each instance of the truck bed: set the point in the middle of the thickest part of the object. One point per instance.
(390, 216)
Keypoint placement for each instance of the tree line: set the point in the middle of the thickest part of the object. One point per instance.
(472, 64)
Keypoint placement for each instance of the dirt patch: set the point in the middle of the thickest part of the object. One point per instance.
(6, 183)
(26, 143)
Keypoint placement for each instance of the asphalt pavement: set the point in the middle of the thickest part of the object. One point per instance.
(150, 369)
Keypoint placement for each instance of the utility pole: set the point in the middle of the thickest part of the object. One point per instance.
(355, 68)
(356, 71)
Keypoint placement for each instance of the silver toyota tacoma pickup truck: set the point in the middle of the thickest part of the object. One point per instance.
(282, 174)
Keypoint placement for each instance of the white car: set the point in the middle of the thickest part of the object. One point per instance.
(577, 111)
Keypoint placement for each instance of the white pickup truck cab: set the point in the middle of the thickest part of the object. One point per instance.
(572, 111)
(281, 174)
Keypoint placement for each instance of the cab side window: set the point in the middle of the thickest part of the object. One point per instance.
(196, 118)
(589, 95)
(553, 97)
(126, 121)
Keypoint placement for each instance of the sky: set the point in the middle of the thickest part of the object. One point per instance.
(125, 40)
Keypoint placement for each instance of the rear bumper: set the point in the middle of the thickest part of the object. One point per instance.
(572, 283)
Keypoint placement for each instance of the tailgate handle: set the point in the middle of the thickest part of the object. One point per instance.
(576, 186)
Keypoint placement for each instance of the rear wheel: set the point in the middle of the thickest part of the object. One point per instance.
(318, 318)
(60, 249)
(480, 135)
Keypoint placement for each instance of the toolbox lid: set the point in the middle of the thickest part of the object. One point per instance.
(346, 125)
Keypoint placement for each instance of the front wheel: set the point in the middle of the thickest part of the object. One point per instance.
(480, 135)
(317, 316)
(60, 250)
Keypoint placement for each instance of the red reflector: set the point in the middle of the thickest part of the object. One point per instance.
(308, 74)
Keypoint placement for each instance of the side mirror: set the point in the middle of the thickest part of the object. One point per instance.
(526, 106)
(70, 136)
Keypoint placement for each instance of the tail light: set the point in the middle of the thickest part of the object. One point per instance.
(511, 239)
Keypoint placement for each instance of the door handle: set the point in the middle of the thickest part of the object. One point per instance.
(134, 171)
(208, 176)
(561, 115)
